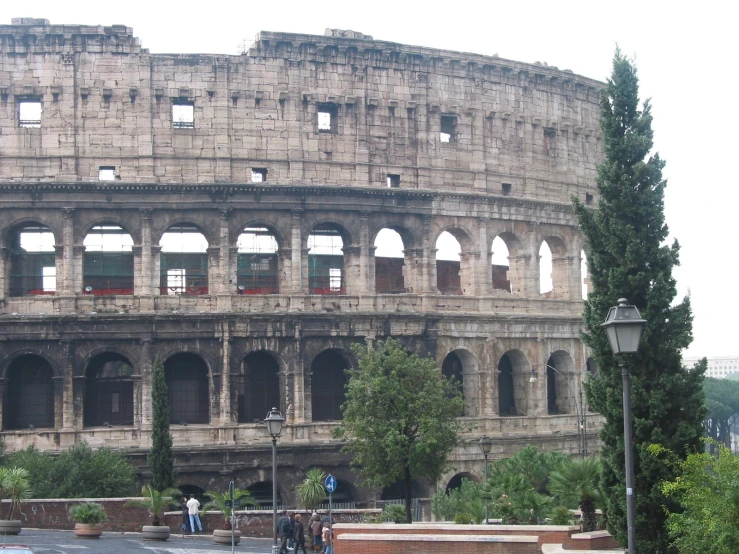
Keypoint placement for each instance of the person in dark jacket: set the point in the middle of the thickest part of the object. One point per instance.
(298, 534)
(284, 530)
(185, 515)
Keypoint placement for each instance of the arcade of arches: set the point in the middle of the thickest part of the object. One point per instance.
(112, 388)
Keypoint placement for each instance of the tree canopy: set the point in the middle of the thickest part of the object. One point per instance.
(160, 459)
(627, 257)
(399, 417)
(722, 401)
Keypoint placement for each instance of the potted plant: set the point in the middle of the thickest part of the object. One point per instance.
(155, 501)
(15, 487)
(88, 518)
(222, 503)
(311, 491)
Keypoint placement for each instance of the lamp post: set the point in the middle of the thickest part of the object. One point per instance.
(624, 327)
(486, 444)
(580, 411)
(274, 421)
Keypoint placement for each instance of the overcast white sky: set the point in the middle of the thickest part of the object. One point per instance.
(685, 52)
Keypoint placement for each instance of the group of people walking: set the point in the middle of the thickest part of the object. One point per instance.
(291, 532)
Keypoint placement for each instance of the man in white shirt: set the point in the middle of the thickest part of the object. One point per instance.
(192, 509)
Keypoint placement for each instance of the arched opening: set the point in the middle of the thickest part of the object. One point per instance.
(325, 261)
(328, 385)
(546, 286)
(584, 276)
(32, 261)
(183, 262)
(560, 388)
(456, 481)
(448, 250)
(396, 491)
(108, 391)
(592, 367)
(389, 262)
(454, 367)
(500, 265)
(262, 493)
(344, 495)
(514, 372)
(108, 261)
(197, 492)
(29, 399)
(189, 396)
(259, 390)
(256, 265)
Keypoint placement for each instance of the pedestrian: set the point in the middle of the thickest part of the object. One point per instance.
(316, 530)
(299, 534)
(284, 530)
(328, 540)
(192, 509)
(185, 515)
(291, 540)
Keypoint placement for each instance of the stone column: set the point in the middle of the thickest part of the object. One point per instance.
(353, 271)
(366, 257)
(561, 272)
(147, 281)
(2, 401)
(4, 271)
(156, 264)
(67, 386)
(213, 269)
(484, 273)
(296, 245)
(78, 261)
(78, 386)
(65, 279)
(225, 244)
(468, 269)
(227, 414)
(144, 380)
(284, 270)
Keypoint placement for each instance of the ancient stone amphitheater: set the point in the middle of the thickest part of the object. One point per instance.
(249, 217)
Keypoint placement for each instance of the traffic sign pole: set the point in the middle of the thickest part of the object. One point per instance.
(331, 487)
(233, 513)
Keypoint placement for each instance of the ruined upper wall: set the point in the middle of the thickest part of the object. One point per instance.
(518, 129)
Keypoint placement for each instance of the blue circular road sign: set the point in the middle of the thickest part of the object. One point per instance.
(330, 483)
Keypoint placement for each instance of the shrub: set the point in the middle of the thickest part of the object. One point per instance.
(393, 513)
(88, 512)
(463, 518)
(561, 515)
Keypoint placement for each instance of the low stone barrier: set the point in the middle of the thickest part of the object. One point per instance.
(429, 543)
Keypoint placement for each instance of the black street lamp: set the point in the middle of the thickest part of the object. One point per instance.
(486, 444)
(274, 421)
(624, 327)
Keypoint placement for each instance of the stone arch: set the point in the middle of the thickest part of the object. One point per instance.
(514, 371)
(261, 491)
(10, 230)
(32, 259)
(108, 391)
(553, 254)
(456, 365)
(456, 481)
(259, 386)
(186, 374)
(274, 227)
(258, 263)
(107, 260)
(328, 384)
(197, 492)
(389, 253)
(508, 260)
(209, 232)
(103, 221)
(560, 383)
(345, 491)
(326, 263)
(183, 260)
(29, 393)
(396, 491)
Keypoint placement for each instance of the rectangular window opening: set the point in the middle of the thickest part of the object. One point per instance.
(175, 281)
(393, 181)
(334, 279)
(328, 118)
(258, 175)
(506, 189)
(183, 115)
(48, 279)
(588, 198)
(448, 128)
(29, 113)
(106, 173)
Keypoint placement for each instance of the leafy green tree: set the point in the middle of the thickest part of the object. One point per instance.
(399, 417)
(155, 501)
(311, 491)
(39, 467)
(577, 479)
(466, 499)
(160, 459)
(722, 401)
(706, 489)
(627, 257)
(533, 466)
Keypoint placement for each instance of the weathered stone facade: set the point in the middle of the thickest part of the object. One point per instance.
(336, 134)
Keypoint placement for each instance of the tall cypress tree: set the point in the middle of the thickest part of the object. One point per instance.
(627, 257)
(160, 458)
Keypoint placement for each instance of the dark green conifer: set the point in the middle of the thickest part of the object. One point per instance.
(160, 458)
(627, 257)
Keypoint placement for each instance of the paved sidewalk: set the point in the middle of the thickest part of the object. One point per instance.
(64, 542)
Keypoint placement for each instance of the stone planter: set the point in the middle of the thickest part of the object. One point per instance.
(10, 526)
(88, 530)
(155, 532)
(223, 536)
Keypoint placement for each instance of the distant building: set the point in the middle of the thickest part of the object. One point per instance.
(718, 368)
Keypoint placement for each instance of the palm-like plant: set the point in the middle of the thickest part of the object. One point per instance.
(154, 501)
(221, 501)
(15, 486)
(311, 491)
(577, 480)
